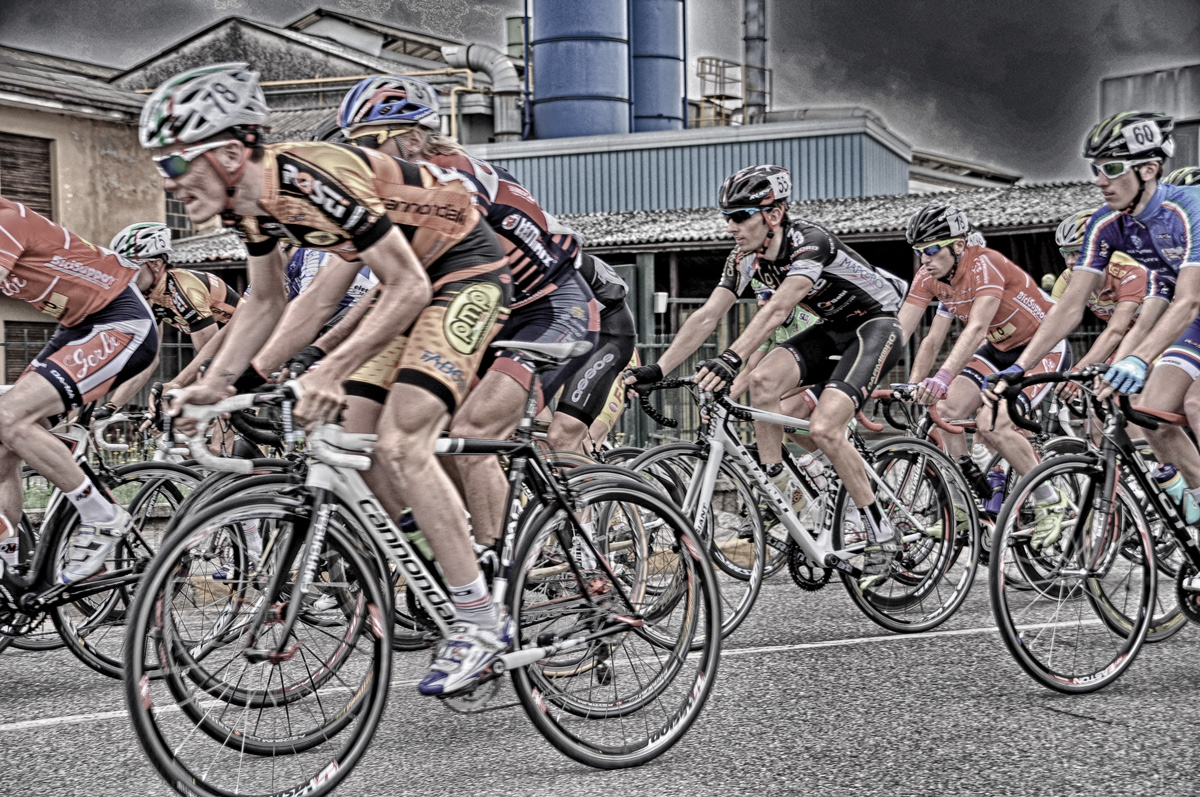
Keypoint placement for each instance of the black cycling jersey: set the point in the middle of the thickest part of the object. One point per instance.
(608, 288)
(845, 286)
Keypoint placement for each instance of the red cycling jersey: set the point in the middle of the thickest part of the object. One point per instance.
(986, 272)
(54, 269)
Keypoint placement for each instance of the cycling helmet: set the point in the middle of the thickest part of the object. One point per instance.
(330, 132)
(1070, 233)
(142, 241)
(389, 99)
(937, 222)
(201, 103)
(1188, 175)
(1132, 135)
(756, 186)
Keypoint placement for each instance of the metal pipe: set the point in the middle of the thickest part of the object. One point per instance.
(686, 110)
(348, 78)
(454, 92)
(506, 86)
(528, 110)
(755, 63)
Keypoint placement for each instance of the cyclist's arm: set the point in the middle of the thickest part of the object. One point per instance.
(1111, 336)
(1175, 320)
(334, 336)
(250, 327)
(909, 316)
(696, 329)
(1152, 310)
(306, 314)
(930, 346)
(201, 337)
(789, 294)
(191, 371)
(983, 310)
(404, 291)
(1063, 317)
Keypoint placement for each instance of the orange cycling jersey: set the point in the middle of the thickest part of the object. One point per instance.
(191, 300)
(54, 269)
(343, 199)
(1125, 280)
(986, 272)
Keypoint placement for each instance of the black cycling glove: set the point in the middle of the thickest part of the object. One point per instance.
(304, 360)
(645, 375)
(725, 365)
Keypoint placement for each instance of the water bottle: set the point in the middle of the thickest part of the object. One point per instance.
(981, 455)
(408, 525)
(995, 480)
(814, 469)
(1172, 483)
(975, 476)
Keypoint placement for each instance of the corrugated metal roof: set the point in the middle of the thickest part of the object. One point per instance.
(990, 209)
(72, 91)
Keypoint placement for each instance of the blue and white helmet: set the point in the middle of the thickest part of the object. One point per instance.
(389, 99)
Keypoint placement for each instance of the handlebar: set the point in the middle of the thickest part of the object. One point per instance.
(906, 393)
(98, 428)
(205, 414)
(1012, 392)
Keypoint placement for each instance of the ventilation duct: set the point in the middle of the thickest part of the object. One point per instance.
(506, 86)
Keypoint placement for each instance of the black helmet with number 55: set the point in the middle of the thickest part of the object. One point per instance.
(756, 187)
(1132, 135)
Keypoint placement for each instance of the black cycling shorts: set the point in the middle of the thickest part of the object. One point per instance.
(585, 391)
(847, 358)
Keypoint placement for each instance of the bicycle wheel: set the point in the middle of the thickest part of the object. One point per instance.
(93, 626)
(40, 633)
(919, 492)
(1085, 608)
(249, 724)
(733, 526)
(618, 683)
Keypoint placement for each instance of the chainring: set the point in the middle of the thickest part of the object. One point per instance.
(1189, 602)
(807, 576)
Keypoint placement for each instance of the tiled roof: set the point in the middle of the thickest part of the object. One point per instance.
(25, 78)
(297, 124)
(1017, 206)
(990, 209)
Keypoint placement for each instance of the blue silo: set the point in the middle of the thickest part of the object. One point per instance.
(580, 68)
(656, 42)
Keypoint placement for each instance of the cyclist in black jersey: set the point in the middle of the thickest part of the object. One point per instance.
(857, 341)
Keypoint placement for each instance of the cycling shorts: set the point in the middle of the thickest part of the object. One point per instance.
(847, 358)
(1184, 353)
(566, 315)
(614, 402)
(444, 347)
(989, 360)
(112, 345)
(586, 391)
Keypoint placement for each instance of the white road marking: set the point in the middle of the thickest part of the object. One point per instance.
(104, 716)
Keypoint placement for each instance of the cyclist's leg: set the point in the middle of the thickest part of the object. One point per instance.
(495, 406)
(803, 358)
(585, 392)
(1169, 384)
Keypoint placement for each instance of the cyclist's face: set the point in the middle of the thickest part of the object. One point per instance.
(1071, 258)
(939, 264)
(1119, 192)
(200, 188)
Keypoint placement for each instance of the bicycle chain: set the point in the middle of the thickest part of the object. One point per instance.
(807, 576)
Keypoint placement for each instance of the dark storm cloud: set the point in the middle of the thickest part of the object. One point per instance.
(1012, 84)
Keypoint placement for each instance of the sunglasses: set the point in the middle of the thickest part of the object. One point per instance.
(1065, 252)
(375, 140)
(177, 164)
(1114, 169)
(933, 248)
(742, 215)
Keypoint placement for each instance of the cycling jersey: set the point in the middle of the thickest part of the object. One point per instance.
(986, 272)
(191, 300)
(539, 258)
(796, 322)
(1164, 237)
(607, 286)
(1125, 280)
(54, 269)
(846, 288)
(302, 268)
(343, 199)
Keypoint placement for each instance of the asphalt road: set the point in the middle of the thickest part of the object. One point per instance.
(811, 698)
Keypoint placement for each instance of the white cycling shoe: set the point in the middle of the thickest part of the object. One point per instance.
(92, 546)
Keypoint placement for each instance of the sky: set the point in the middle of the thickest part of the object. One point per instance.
(1011, 84)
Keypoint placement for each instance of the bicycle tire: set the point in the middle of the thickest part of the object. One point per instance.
(238, 750)
(594, 728)
(935, 571)
(1063, 588)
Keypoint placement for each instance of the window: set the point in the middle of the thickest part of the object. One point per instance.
(22, 341)
(25, 172)
(177, 220)
(1187, 144)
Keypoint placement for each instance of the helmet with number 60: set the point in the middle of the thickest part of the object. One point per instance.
(1069, 234)
(1132, 135)
(201, 103)
(142, 241)
(1188, 175)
